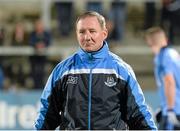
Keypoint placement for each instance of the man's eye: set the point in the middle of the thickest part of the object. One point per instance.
(81, 32)
(92, 31)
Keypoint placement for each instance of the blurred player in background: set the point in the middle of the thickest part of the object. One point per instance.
(40, 39)
(167, 74)
(94, 88)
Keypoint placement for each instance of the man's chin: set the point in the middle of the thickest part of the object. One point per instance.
(88, 49)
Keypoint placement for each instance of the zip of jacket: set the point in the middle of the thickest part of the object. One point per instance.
(89, 93)
(89, 100)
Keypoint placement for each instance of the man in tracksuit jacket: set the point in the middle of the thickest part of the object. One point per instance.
(94, 88)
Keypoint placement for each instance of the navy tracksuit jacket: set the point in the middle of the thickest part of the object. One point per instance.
(95, 90)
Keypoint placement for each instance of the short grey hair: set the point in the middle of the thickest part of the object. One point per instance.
(99, 17)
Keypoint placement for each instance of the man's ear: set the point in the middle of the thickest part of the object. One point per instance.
(105, 33)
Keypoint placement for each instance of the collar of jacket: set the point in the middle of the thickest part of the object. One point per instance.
(100, 54)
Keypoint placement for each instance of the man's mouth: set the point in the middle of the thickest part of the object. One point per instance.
(88, 44)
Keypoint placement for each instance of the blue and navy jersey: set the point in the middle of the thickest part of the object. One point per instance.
(168, 62)
(96, 90)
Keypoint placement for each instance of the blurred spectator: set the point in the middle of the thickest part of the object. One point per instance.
(150, 13)
(165, 21)
(117, 15)
(15, 69)
(165, 13)
(1, 79)
(20, 35)
(170, 17)
(2, 36)
(65, 15)
(40, 39)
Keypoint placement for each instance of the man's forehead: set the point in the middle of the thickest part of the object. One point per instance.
(87, 18)
(88, 23)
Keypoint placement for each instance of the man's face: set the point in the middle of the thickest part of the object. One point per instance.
(153, 43)
(90, 35)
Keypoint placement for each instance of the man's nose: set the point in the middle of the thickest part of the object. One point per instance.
(87, 36)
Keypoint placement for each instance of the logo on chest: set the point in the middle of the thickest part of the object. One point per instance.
(72, 80)
(110, 82)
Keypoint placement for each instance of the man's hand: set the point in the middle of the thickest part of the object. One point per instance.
(172, 118)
